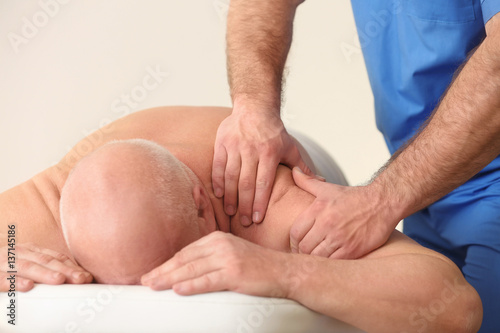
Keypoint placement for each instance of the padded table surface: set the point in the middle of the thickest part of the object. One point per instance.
(105, 308)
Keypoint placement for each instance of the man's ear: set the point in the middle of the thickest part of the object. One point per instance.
(205, 210)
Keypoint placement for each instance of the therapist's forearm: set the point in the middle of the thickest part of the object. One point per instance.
(259, 35)
(461, 137)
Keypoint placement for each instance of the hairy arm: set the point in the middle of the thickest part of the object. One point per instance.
(400, 287)
(252, 141)
(461, 137)
(259, 35)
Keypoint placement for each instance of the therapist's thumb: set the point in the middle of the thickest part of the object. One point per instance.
(294, 159)
(306, 182)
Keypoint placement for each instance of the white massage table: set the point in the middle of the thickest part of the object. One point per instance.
(97, 308)
(136, 309)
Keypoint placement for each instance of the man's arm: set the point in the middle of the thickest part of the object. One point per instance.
(403, 288)
(461, 137)
(400, 287)
(252, 141)
(31, 242)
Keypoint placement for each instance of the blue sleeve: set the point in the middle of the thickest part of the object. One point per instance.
(490, 8)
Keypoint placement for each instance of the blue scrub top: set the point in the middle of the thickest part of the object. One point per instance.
(412, 48)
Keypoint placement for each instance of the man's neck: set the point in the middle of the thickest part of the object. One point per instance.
(286, 203)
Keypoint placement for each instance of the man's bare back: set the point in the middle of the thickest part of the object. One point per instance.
(189, 134)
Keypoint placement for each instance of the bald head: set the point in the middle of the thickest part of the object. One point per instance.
(130, 206)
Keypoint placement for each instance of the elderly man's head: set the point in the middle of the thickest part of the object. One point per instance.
(128, 207)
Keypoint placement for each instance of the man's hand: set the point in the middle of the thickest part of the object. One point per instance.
(222, 261)
(36, 265)
(342, 223)
(248, 148)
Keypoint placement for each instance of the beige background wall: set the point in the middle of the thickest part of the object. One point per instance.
(64, 70)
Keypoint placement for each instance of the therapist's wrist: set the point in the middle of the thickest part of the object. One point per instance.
(252, 104)
(392, 204)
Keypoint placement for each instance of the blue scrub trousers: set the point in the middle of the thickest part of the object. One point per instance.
(466, 229)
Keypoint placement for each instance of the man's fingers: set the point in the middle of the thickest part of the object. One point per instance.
(264, 183)
(246, 190)
(38, 273)
(306, 182)
(23, 284)
(213, 281)
(56, 262)
(61, 257)
(187, 271)
(18, 283)
(218, 170)
(302, 225)
(189, 254)
(231, 178)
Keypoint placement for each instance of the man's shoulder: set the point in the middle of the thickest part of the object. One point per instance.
(287, 200)
(179, 114)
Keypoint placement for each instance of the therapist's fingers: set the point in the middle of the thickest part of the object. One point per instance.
(266, 174)
(340, 253)
(293, 159)
(324, 249)
(306, 182)
(246, 189)
(311, 240)
(302, 225)
(218, 170)
(231, 178)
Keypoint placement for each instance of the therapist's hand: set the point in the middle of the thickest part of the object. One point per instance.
(38, 265)
(250, 144)
(343, 222)
(222, 261)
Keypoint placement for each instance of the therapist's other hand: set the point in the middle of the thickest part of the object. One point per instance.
(342, 223)
(248, 148)
(222, 261)
(38, 265)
